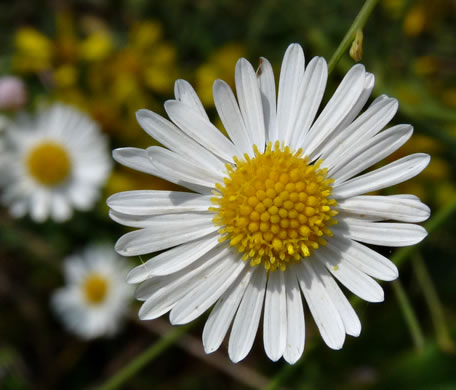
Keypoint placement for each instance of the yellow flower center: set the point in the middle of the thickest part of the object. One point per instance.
(275, 207)
(49, 163)
(95, 288)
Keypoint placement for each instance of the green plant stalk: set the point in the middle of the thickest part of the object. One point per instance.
(358, 24)
(409, 315)
(433, 302)
(145, 358)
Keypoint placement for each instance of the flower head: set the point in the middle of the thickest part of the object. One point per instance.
(55, 163)
(277, 211)
(95, 296)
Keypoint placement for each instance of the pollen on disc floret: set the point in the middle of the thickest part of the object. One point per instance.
(275, 207)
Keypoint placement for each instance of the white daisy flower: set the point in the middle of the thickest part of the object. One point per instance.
(55, 163)
(278, 211)
(95, 297)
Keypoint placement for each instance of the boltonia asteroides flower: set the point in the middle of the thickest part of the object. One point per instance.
(277, 211)
(54, 163)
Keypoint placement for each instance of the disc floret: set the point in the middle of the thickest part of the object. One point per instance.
(275, 207)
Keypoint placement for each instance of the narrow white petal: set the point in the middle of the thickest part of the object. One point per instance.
(314, 84)
(201, 130)
(381, 233)
(296, 331)
(369, 153)
(265, 75)
(171, 165)
(231, 117)
(389, 175)
(337, 108)
(348, 315)
(275, 316)
(152, 202)
(162, 236)
(351, 277)
(323, 311)
(247, 318)
(386, 207)
(134, 158)
(374, 119)
(365, 259)
(174, 139)
(209, 290)
(290, 82)
(184, 92)
(162, 293)
(223, 312)
(249, 98)
(174, 259)
(369, 83)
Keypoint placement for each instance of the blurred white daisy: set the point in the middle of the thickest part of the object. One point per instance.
(278, 210)
(55, 162)
(96, 296)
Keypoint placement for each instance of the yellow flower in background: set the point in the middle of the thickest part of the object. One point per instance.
(97, 46)
(145, 34)
(219, 66)
(65, 76)
(415, 21)
(34, 51)
(160, 68)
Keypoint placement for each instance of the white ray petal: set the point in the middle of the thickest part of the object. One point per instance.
(223, 312)
(174, 139)
(162, 236)
(369, 153)
(171, 165)
(314, 84)
(174, 259)
(381, 233)
(209, 290)
(231, 117)
(296, 331)
(265, 75)
(249, 98)
(365, 259)
(386, 207)
(352, 324)
(153, 202)
(389, 175)
(275, 316)
(290, 83)
(374, 119)
(184, 92)
(325, 314)
(202, 131)
(247, 318)
(337, 108)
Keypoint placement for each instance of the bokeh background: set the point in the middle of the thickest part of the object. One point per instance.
(111, 58)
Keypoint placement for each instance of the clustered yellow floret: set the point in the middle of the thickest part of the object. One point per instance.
(275, 207)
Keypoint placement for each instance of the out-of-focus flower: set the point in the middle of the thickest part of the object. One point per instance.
(220, 65)
(277, 211)
(96, 297)
(34, 51)
(56, 162)
(415, 21)
(97, 46)
(65, 76)
(13, 95)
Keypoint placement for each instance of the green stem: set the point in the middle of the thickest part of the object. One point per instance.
(409, 315)
(433, 303)
(358, 24)
(145, 358)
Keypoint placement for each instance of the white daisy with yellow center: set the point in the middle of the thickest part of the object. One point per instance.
(277, 211)
(95, 297)
(54, 163)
